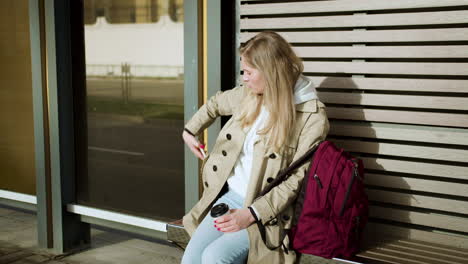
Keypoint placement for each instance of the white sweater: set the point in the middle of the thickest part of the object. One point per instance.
(240, 175)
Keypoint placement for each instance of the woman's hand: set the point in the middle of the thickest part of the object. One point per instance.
(238, 219)
(193, 144)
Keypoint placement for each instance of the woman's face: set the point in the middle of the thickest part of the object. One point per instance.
(252, 78)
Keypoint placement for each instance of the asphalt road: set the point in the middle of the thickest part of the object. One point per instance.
(134, 167)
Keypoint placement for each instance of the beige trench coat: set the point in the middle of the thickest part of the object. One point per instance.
(276, 207)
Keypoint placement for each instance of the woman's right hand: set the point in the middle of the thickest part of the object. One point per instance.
(193, 144)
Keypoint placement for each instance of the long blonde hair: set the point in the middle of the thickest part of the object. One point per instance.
(274, 58)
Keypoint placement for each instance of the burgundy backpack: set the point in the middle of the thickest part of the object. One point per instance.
(332, 207)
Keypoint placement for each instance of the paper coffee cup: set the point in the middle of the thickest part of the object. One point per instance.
(219, 210)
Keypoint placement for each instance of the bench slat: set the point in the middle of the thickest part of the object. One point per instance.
(398, 116)
(409, 255)
(383, 52)
(385, 258)
(433, 247)
(364, 36)
(421, 152)
(423, 185)
(361, 20)
(429, 169)
(392, 100)
(343, 6)
(376, 232)
(421, 201)
(392, 84)
(404, 68)
(427, 219)
(373, 130)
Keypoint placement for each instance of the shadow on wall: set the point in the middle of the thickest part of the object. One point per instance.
(353, 131)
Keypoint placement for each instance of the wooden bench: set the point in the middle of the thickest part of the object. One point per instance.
(388, 249)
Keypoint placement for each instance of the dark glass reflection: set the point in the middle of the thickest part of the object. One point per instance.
(134, 67)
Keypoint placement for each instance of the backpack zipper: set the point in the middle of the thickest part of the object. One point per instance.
(348, 191)
(317, 179)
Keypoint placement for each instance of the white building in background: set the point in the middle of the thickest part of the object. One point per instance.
(152, 49)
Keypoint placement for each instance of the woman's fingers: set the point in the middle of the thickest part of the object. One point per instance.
(227, 226)
(229, 229)
(193, 144)
(197, 152)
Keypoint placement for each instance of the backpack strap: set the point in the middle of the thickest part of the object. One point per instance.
(286, 172)
(282, 176)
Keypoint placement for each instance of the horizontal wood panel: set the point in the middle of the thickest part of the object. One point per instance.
(375, 256)
(408, 256)
(420, 201)
(409, 101)
(429, 169)
(392, 84)
(423, 247)
(360, 20)
(426, 219)
(441, 135)
(401, 150)
(412, 52)
(398, 116)
(343, 6)
(405, 68)
(406, 183)
(377, 231)
(431, 247)
(371, 36)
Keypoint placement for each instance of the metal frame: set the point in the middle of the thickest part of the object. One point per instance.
(54, 113)
(69, 233)
(19, 200)
(43, 199)
(191, 93)
(213, 16)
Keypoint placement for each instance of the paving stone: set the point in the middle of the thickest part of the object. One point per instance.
(33, 259)
(18, 240)
(14, 256)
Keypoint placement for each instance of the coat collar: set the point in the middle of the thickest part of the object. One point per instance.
(308, 106)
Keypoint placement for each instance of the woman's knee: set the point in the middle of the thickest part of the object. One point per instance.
(217, 255)
(212, 256)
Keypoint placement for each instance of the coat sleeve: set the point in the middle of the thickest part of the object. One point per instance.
(280, 197)
(220, 104)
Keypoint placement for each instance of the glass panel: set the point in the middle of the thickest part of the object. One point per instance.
(17, 160)
(135, 82)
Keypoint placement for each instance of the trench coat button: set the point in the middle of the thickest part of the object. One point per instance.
(228, 136)
(274, 221)
(272, 156)
(224, 153)
(206, 184)
(286, 217)
(215, 168)
(269, 179)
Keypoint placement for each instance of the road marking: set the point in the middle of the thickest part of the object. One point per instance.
(116, 151)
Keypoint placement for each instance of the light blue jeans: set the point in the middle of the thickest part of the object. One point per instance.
(208, 245)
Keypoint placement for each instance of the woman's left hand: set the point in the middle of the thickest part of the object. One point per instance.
(238, 219)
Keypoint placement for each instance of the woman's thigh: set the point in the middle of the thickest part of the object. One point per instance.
(206, 234)
(230, 248)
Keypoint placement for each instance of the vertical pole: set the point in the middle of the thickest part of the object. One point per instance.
(213, 60)
(66, 86)
(41, 124)
(192, 70)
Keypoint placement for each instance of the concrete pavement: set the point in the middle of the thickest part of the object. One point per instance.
(18, 239)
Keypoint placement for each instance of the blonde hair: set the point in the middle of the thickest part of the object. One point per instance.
(274, 58)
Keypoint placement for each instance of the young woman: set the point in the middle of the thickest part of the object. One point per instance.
(276, 118)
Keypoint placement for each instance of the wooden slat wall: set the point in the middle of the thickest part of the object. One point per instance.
(394, 77)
